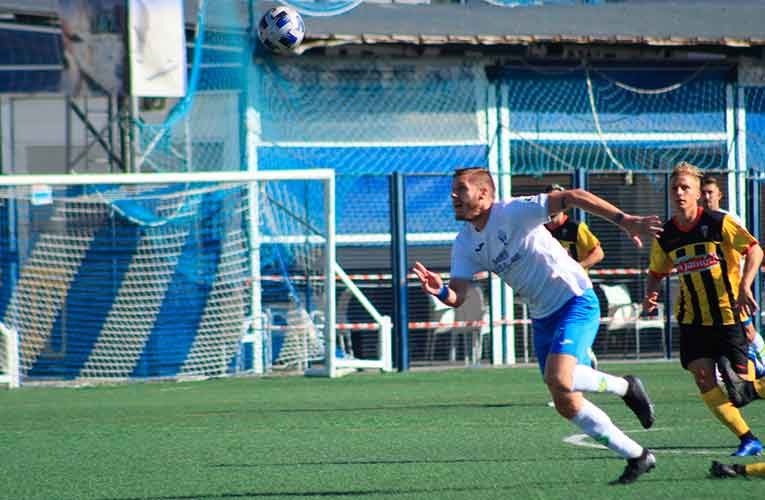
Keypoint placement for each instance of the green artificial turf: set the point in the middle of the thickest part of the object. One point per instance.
(468, 434)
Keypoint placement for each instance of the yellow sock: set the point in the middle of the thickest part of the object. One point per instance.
(721, 407)
(759, 386)
(749, 371)
(757, 470)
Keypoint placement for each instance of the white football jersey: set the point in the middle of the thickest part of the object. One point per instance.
(517, 247)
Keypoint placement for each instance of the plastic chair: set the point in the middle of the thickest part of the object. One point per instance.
(472, 309)
(623, 313)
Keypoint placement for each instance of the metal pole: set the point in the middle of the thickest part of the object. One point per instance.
(330, 323)
(667, 284)
(580, 181)
(753, 189)
(507, 311)
(127, 105)
(754, 224)
(399, 268)
(68, 134)
(493, 137)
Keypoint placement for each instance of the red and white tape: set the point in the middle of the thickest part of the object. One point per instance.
(412, 276)
(427, 325)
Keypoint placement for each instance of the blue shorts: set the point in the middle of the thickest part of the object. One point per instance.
(569, 330)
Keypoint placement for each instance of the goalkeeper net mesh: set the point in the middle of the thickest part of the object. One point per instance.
(145, 281)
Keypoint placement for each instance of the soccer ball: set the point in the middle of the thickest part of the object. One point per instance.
(281, 29)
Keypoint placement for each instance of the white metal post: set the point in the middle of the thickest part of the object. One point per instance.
(741, 154)
(252, 122)
(330, 337)
(384, 323)
(6, 135)
(508, 355)
(730, 146)
(495, 284)
(13, 360)
(318, 174)
(12, 378)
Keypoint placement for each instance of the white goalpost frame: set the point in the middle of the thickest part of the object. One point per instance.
(332, 363)
(318, 174)
(11, 377)
(327, 176)
(384, 324)
(261, 355)
(330, 324)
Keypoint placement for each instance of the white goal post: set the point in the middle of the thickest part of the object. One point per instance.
(58, 260)
(10, 357)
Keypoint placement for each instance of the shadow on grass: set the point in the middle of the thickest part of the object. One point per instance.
(414, 462)
(512, 488)
(349, 493)
(425, 406)
(692, 448)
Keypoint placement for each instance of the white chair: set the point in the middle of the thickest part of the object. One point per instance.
(344, 339)
(472, 309)
(621, 310)
(623, 313)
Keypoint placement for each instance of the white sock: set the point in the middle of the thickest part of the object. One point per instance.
(759, 345)
(596, 424)
(588, 380)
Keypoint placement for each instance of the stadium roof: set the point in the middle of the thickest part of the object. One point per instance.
(734, 23)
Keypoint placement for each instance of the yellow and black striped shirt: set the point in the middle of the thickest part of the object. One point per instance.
(575, 237)
(707, 257)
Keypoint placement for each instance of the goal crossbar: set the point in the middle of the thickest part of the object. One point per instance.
(164, 177)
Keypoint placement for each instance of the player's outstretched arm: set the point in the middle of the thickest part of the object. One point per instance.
(635, 226)
(452, 295)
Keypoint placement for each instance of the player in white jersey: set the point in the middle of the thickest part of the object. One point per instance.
(711, 197)
(508, 238)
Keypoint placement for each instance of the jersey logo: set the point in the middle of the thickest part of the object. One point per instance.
(695, 264)
(502, 236)
(704, 231)
(479, 247)
(501, 263)
(502, 256)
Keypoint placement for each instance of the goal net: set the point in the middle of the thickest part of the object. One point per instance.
(145, 276)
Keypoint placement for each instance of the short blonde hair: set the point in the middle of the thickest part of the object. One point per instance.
(479, 175)
(685, 168)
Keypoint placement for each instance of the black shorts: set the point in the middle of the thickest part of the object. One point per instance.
(711, 342)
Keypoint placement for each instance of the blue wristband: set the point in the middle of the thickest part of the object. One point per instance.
(443, 293)
(746, 321)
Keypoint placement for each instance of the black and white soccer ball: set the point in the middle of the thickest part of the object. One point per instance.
(281, 29)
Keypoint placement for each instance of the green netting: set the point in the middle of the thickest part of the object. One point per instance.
(615, 118)
(755, 128)
(366, 117)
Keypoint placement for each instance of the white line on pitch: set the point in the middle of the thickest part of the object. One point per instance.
(585, 441)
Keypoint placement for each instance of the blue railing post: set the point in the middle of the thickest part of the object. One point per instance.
(668, 299)
(399, 267)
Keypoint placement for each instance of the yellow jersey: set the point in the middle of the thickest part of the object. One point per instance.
(706, 256)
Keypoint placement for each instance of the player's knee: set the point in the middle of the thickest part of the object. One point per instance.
(566, 405)
(705, 380)
(558, 383)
